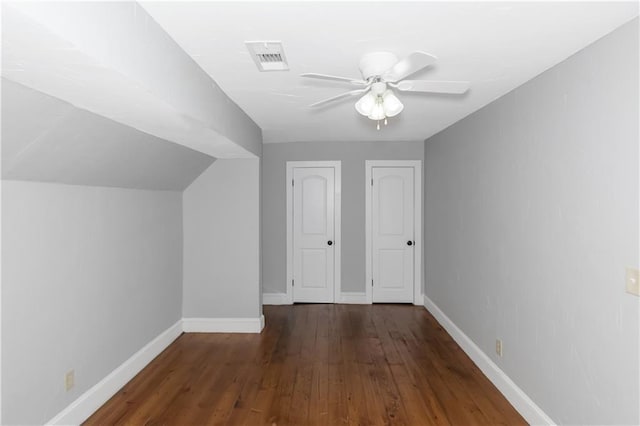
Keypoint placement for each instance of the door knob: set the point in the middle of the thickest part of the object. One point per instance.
(330, 242)
(409, 243)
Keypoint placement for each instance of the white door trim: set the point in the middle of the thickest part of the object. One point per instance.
(337, 225)
(417, 187)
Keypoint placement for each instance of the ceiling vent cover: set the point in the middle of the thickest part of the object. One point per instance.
(268, 55)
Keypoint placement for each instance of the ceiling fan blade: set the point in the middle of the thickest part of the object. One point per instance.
(407, 66)
(340, 96)
(334, 78)
(432, 86)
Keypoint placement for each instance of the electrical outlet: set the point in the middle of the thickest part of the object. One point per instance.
(69, 380)
(633, 281)
(499, 347)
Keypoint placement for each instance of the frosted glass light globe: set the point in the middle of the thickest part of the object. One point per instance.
(392, 105)
(378, 111)
(365, 104)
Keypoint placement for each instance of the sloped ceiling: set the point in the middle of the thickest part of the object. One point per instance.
(114, 60)
(47, 139)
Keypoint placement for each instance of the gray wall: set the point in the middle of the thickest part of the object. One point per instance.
(353, 156)
(45, 139)
(89, 276)
(531, 218)
(222, 242)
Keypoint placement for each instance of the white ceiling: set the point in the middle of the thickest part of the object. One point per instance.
(497, 46)
(48, 140)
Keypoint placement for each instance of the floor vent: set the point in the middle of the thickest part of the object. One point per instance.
(268, 55)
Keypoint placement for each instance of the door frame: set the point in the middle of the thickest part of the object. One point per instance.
(417, 197)
(337, 251)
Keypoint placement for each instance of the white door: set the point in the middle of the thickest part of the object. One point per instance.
(313, 234)
(393, 238)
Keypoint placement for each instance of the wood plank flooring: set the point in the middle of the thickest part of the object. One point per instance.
(314, 365)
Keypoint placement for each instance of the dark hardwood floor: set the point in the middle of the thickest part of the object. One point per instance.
(315, 364)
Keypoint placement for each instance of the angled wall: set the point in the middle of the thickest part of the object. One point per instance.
(45, 139)
(531, 219)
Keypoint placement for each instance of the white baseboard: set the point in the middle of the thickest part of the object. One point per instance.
(516, 396)
(275, 299)
(223, 325)
(353, 298)
(83, 407)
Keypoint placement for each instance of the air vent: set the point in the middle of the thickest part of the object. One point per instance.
(268, 55)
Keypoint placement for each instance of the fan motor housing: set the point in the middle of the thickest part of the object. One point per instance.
(375, 64)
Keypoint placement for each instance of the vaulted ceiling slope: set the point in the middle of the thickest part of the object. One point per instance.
(46, 139)
(497, 46)
(113, 59)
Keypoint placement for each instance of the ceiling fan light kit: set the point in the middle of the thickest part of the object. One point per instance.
(382, 71)
(379, 106)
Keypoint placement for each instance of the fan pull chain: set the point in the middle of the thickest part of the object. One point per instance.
(385, 121)
(378, 127)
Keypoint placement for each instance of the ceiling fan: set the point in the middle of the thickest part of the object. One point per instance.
(381, 73)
